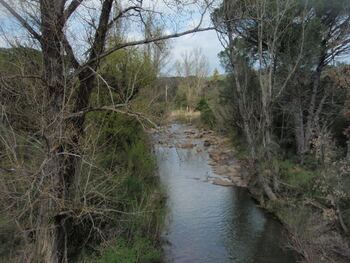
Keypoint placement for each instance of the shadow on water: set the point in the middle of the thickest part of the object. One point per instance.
(209, 223)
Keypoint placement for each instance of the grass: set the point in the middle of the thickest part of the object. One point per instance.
(296, 175)
(139, 250)
(185, 116)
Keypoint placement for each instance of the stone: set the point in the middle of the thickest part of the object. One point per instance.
(222, 182)
(207, 143)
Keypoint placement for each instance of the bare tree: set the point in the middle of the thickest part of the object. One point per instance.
(259, 27)
(194, 68)
(68, 80)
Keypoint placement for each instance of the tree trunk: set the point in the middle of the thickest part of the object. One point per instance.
(312, 108)
(265, 186)
(50, 234)
(299, 129)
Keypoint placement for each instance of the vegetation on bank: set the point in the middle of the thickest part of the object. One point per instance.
(116, 206)
(72, 186)
(119, 192)
(286, 99)
(122, 152)
(312, 197)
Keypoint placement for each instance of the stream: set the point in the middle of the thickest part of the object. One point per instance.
(207, 223)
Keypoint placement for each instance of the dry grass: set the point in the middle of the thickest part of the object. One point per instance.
(184, 115)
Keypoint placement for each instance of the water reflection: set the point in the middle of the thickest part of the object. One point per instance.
(209, 223)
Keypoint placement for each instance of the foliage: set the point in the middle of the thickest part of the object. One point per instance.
(127, 71)
(193, 67)
(207, 115)
(180, 100)
(116, 177)
(287, 98)
(125, 177)
(138, 251)
(121, 151)
(297, 176)
(19, 97)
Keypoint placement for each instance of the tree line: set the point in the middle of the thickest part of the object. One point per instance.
(287, 96)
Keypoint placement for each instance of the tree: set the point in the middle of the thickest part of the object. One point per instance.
(68, 81)
(159, 50)
(216, 75)
(330, 25)
(193, 67)
(253, 32)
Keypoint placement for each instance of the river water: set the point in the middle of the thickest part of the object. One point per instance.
(207, 223)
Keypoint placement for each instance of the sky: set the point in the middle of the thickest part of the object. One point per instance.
(176, 20)
(207, 41)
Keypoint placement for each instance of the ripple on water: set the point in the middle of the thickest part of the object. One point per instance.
(209, 223)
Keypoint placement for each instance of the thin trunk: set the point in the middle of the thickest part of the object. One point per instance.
(299, 129)
(312, 108)
(265, 186)
(249, 138)
(87, 77)
(341, 221)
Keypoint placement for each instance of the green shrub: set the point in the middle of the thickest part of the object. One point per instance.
(123, 172)
(296, 175)
(207, 115)
(140, 161)
(140, 250)
(180, 100)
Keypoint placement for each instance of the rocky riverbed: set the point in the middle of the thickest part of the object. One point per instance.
(221, 156)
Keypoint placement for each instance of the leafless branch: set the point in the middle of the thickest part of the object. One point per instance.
(71, 8)
(147, 41)
(23, 22)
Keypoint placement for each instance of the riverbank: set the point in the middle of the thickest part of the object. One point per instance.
(313, 228)
(132, 231)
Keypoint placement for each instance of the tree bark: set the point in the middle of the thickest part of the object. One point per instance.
(265, 186)
(58, 171)
(299, 134)
(312, 108)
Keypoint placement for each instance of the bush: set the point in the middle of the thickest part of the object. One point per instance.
(207, 115)
(297, 176)
(123, 176)
(140, 250)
